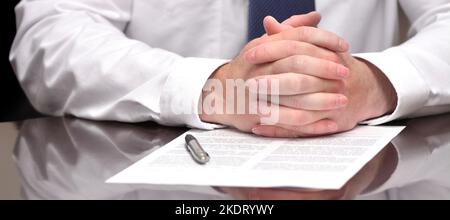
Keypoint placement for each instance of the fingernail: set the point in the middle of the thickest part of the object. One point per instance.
(342, 71)
(256, 131)
(342, 101)
(343, 46)
(271, 18)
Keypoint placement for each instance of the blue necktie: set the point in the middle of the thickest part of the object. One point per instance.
(279, 9)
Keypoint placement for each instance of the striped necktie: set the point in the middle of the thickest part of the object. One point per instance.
(279, 9)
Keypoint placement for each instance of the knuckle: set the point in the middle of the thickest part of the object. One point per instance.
(330, 37)
(263, 51)
(295, 102)
(299, 84)
(253, 43)
(303, 33)
(334, 40)
(298, 62)
(292, 47)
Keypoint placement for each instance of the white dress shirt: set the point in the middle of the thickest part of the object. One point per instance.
(139, 60)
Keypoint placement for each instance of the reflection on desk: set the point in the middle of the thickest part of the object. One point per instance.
(423, 170)
(66, 158)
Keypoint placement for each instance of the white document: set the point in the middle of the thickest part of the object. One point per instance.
(245, 160)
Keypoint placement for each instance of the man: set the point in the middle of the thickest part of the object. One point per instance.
(139, 60)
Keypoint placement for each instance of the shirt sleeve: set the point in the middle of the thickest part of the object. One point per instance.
(72, 57)
(419, 69)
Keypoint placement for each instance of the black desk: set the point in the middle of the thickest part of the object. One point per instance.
(67, 158)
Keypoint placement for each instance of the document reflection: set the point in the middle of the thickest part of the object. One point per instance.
(65, 158)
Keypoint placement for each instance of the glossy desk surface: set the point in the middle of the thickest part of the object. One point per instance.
(68, 158)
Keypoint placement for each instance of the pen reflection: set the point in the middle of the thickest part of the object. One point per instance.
(65, 158)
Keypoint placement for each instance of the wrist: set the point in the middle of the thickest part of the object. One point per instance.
(215, 97)
(381, 97)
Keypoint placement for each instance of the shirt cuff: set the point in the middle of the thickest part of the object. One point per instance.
(182, 90)
(412, 91)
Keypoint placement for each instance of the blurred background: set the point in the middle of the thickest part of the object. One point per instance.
(13, 103)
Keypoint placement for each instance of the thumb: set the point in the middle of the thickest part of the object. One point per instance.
(311, 19)
(272, 26)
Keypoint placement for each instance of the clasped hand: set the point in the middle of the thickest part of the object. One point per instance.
(322, 88)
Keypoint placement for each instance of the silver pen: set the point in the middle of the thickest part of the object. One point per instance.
(195, 149)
